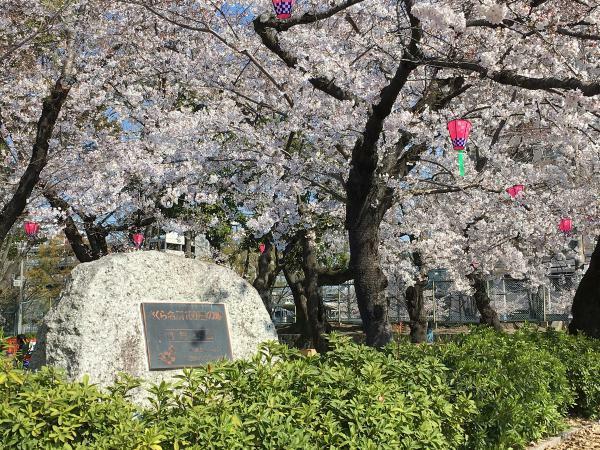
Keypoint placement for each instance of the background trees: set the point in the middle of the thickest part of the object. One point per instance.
(342, 108)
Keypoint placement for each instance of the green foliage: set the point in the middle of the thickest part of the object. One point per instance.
(581, 356)
(352, 397)
(484, 390)
(44, 411)
(520, 390)
(45, 279)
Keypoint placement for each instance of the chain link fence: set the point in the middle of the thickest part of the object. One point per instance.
(513, 300)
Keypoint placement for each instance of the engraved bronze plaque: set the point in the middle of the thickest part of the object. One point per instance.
(185, 334)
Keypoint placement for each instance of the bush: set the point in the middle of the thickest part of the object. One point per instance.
(484, 390)
(581, 356)
(520, 390)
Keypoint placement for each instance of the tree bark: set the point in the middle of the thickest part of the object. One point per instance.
(82, 252)
(148, 234)
(317, 317)
(301, 326)
(96, 237)
(586, 304)
(188, 238)
(265, 279)
(488, 315)
(367, 198)
(510, 77)
(39, 155)
(246, 264)
(416, 312)
(334, 277)
(369, 284)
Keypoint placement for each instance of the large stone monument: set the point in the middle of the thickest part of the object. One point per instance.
(149, 314)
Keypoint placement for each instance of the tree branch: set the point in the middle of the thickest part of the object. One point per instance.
(270, 39)
(306, 18)
(361, 186)
(332, 277)
(128, 225)
(208, 30)
(39, 155)
(511, 78)
(578, 34)
(81, 250)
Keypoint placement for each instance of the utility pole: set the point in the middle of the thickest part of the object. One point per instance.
(21, 299)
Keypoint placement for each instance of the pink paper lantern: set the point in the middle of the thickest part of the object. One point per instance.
(565, 225)
(513, 191)
(459, 130)
(261, 247)
(283, 8)
(138, 238)
(31, 228)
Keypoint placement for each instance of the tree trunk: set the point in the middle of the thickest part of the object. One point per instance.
(488, 315)
(96, 237)
(368, 197)
(301, 326)
(81, 250)
(265, 278)
(369, 283)
(416, 312)
(317, 316)
(586, 304)
(246, 264)
(188, 238)
(148, 234)
(39, 156)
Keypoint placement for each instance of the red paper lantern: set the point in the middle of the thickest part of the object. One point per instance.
(283, 8)
(565, 225)
(459, 130)
(138, 238)
(513, 191)
(31, 228)
(261, 247)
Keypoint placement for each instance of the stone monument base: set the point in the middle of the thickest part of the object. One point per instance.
(96, 327)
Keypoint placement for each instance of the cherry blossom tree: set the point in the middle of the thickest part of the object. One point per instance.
(347, 102)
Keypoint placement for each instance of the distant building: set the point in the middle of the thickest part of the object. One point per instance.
(174, 244)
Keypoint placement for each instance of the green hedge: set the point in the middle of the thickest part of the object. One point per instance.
(482, 391)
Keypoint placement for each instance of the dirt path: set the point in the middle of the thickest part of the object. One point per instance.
(587, 438)
(583, 435)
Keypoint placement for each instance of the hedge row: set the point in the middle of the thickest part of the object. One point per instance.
(482, 391)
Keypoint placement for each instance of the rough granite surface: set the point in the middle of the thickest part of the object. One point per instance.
(96, 327)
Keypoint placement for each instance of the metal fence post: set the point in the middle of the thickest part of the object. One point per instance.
(549, 311)
(434, 304)
(348, 311)
(339, 306)
(544, 303)
(504, 294)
